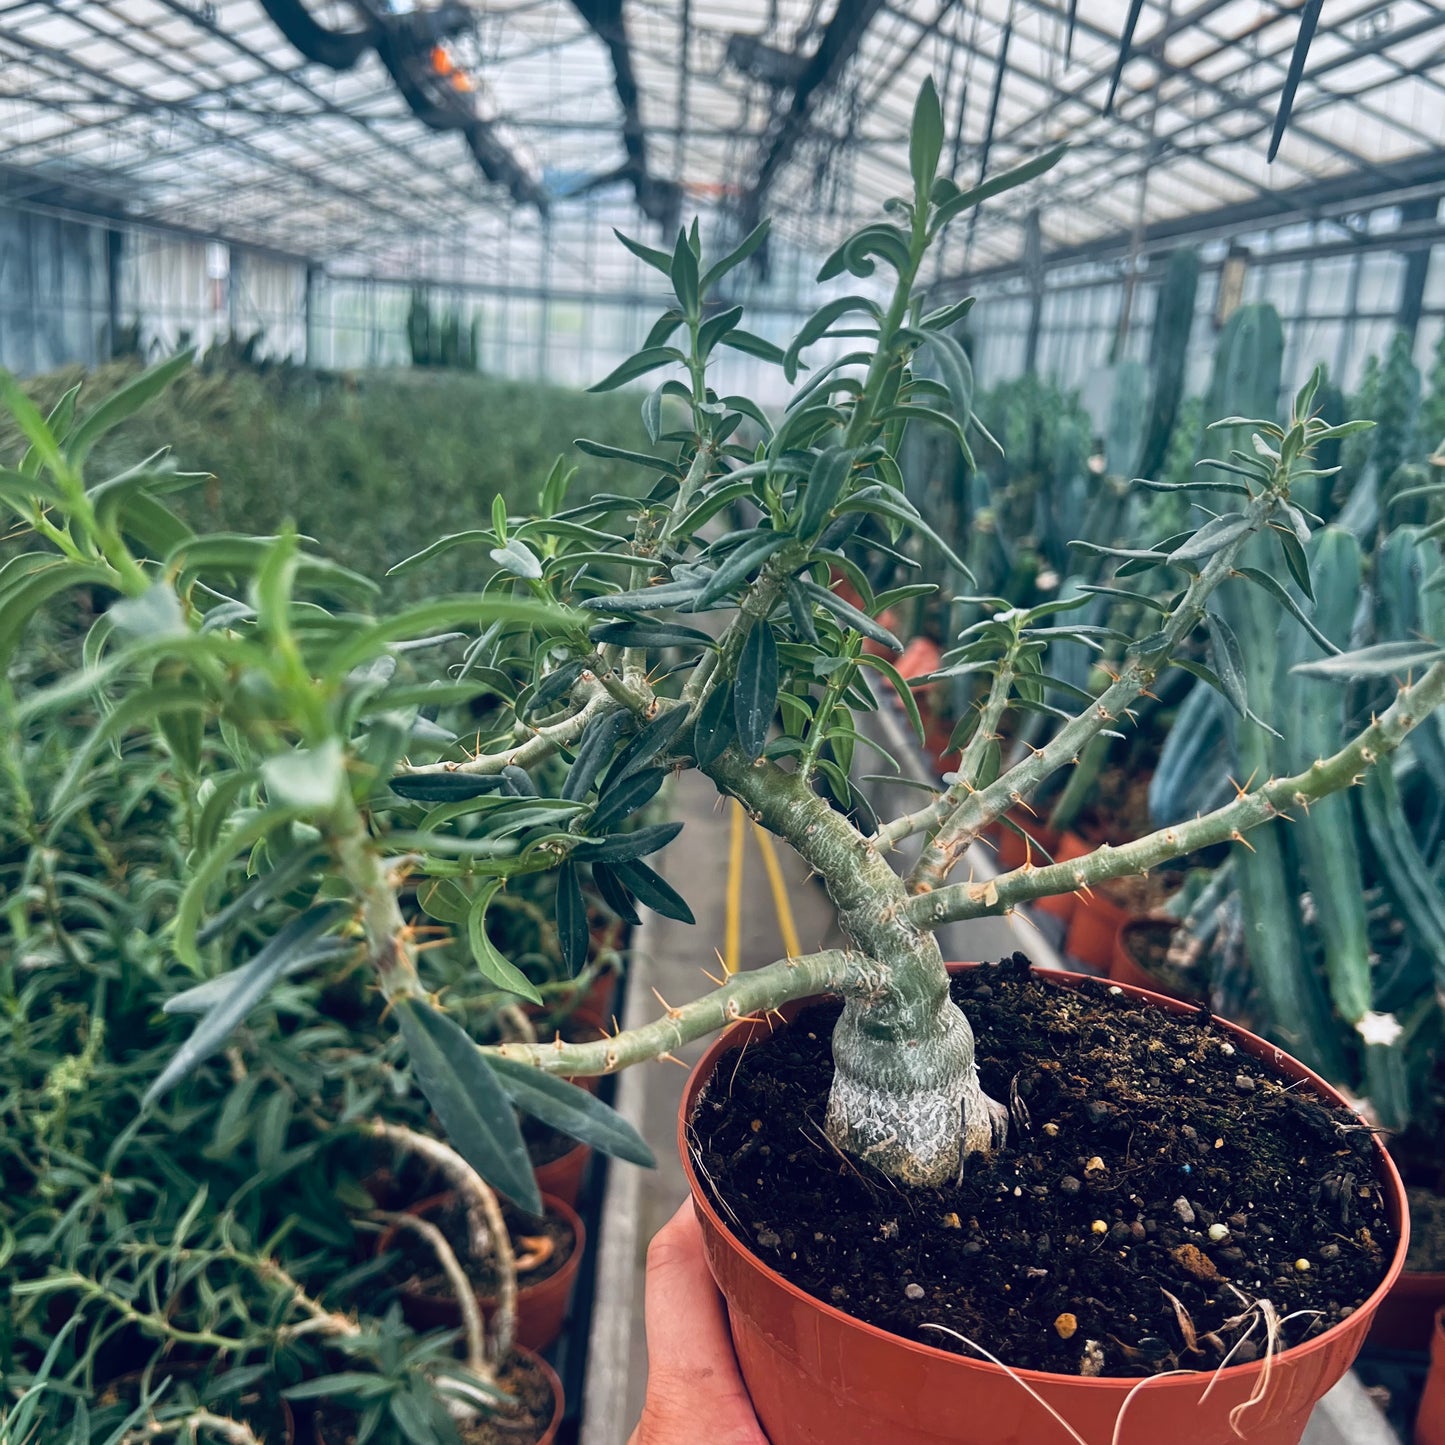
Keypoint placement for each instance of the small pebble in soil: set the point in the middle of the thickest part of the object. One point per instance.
(1329, 1251)
(1244, 1083)
(1066, 1326)
(1099, 1226)
(768, 1239)
(952, 1221)
(1218, 1233)
(1095, 1166)
(1097, 1111)
(913, 1291)
(1184, 1210)
(1302, 1265)
(1052, 1130)
(1069, 1185)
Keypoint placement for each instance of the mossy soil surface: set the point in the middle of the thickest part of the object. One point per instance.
(1158, 1187)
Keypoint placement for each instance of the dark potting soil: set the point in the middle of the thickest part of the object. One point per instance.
(1149, 942)
(1153, 1156)
(544, 1143)
(415, 1265)
(1427, 1230)
(525, 1424)
(1138, 894)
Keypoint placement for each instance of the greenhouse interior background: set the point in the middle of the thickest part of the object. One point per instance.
(403, 240)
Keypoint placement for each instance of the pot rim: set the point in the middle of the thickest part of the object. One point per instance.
(550, 1205)
(554, 1383)
(1260, 1048)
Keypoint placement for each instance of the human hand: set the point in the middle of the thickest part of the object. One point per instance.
(694, 1389)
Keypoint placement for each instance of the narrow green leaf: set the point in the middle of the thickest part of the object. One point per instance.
(640, 364)
(755, 691)
(614, 895)
(996, 185)
(626, 797)
(849, 615)
(470, 1102)
(124, 403)
(598, 740)
(491, 962)
(651, 891)
(925, 140)
(651, 739)
(658, 260)
(571, 1110)
(900, 686)
(252, 983)
(623, 847)
(682, 271)
(735, 258)
(822, 490)
(739, 566)
(1383, 659)
(750, 345)
(1228, 661)
(715, 729)
(444, 787)
(572, 933)
(1282, 594)
(650, 634)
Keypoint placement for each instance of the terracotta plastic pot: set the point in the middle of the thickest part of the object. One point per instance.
(1430, 1422)
(541, 1307)
(601, 997)
(315, 1435)
(1124, 965)
(1063, 905)
(1094, 929)
(820, 1377)
(1407, 1316)
(562, 1177)
(1013, 852)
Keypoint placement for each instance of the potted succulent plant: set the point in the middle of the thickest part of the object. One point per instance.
(991, 1264)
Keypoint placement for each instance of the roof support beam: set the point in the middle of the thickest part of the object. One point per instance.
(840, 41)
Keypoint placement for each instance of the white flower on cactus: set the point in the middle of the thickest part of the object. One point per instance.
(1382, 1029)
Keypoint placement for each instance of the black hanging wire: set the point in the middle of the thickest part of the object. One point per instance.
(1126, 49)
(1000, 71)
(1309, 18)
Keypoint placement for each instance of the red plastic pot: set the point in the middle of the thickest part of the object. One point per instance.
(1094, 929)
(562, 1177)
(1407, 1316)
(1124, 965)
(1063, 905)
(1014, 852)
(1430, 1423)
(541, 1307)
(819, 1377)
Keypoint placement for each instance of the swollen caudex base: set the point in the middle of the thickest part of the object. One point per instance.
(907, 1099)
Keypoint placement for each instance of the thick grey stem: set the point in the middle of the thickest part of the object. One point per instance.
(905, 1092)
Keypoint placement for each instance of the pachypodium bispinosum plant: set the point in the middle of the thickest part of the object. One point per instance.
(299, 714)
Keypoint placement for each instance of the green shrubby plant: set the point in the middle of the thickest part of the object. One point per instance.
(296, 717)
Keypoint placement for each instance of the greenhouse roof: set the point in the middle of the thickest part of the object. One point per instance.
(202, 115)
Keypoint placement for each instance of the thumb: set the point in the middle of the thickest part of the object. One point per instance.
(693, 1383)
